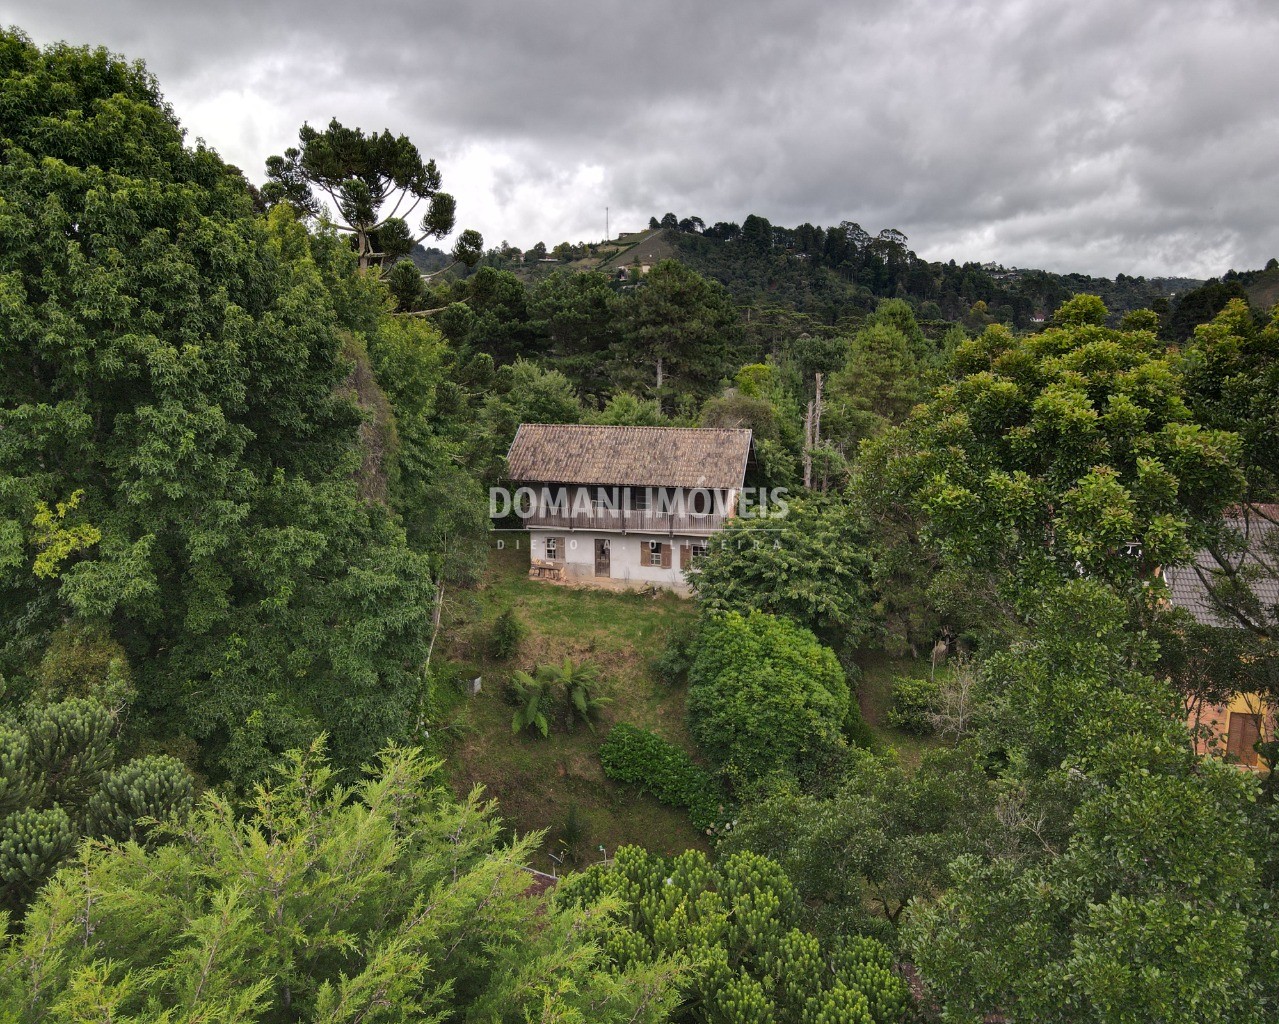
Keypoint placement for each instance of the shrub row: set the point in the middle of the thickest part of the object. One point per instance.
(639, 757)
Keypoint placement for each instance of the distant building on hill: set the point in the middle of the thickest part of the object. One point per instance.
(624, 506)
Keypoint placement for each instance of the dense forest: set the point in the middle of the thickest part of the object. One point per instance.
(247, 430)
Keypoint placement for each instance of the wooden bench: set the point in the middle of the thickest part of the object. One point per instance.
(539, 569)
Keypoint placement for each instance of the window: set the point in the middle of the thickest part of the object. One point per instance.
(552, 549)
(691, 550)
(1245, 731)
(655, 552)
(639, 499)
(700, 502)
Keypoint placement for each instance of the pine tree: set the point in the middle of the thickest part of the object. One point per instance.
(58, 784)
(387, 901)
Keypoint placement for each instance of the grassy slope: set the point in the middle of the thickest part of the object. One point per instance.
(535, 780)
(875, 696)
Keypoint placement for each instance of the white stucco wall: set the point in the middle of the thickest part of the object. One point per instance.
(627, 562)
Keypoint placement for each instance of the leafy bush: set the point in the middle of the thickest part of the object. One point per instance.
(533, 695)
(509, 632)
(819, 578)
(913, 701)
(765, 698)
(671, 665)
(856, 730)
(637, 756)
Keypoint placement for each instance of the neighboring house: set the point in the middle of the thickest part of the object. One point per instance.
(624, 506)
(1232, 729)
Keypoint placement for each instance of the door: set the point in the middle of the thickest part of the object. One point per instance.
(1245, 730)
(603, 566)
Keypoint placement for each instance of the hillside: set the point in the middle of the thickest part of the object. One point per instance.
(542, 784)
(842, 272)
(1262, 287)
(538, 782)
(856, 274)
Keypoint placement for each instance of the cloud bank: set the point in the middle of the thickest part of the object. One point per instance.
(1098, 136)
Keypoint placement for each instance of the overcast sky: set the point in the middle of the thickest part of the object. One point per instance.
(1096, 135)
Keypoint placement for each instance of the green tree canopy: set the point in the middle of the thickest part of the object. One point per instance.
(765, 698)
(361, 174)
(1070, 451)
(739, 922)
(809, 564)
(578, 313)
(880, 844)
(681, 325)
(626, 410)
(62, 778)
(180, 446)
(876, 388)
(1128, 885)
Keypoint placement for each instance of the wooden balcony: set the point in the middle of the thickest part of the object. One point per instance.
(683, 524)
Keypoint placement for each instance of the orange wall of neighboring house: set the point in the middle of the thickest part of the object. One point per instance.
(1210, 725)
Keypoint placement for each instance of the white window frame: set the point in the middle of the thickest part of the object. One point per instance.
(552, 549)
(654, 554)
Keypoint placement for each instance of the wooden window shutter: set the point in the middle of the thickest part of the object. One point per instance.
(666, 556)
(1245, 730)
(685, 554)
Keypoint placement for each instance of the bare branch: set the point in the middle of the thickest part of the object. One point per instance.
(403, 192)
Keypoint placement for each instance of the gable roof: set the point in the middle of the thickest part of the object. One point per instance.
(1188, 585)
(712, 457)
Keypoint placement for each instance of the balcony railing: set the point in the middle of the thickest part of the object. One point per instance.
(694, 524)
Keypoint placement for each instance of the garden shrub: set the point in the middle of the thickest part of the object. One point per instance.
(913, 701)
(639, 757)
(509, 632)
(672, 663)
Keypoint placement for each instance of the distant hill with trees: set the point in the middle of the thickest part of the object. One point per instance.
(840, 273)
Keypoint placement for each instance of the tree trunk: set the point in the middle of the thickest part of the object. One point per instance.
(808, 446)
(812, 433)
(363, 237)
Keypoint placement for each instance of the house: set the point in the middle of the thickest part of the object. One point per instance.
(624, 506)
(1234, 727)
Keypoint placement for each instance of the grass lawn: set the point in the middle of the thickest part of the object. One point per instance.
(537, 781)
(875, 695)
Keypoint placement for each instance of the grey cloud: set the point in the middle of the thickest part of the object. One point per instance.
(1097, 136)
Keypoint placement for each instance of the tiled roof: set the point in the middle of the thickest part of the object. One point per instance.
(1188, 585)
(711, 457)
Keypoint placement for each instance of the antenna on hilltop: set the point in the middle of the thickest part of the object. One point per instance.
(606, 236)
